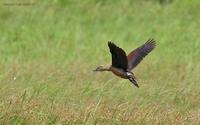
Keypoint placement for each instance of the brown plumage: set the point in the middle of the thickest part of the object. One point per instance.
(122, 64)
(136, 56)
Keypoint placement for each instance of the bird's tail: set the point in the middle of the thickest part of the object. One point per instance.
(134, 82)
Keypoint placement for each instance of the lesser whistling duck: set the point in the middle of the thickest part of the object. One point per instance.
(122, 64)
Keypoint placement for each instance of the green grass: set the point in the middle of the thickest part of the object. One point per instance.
(49, 49)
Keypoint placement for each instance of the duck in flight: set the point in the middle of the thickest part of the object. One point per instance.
(122, 64)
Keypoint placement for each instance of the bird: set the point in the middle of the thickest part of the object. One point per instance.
(122, 64)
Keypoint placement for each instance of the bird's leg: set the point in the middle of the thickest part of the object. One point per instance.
(133, 81)
(132, 78)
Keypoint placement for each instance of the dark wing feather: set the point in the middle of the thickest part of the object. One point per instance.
(136, 56)
(119, 58)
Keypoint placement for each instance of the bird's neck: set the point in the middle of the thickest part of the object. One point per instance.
(104, 69)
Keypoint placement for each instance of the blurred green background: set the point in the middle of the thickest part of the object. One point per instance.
(48, 50)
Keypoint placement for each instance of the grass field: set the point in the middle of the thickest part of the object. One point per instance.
(49, 49)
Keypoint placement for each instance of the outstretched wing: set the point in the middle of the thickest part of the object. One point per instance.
(119, 58)
(136, 56)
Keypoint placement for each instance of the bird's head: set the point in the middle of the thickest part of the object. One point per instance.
(99, 68)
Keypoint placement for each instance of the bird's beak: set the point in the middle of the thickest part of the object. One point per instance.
(134, 82)
(95, 70)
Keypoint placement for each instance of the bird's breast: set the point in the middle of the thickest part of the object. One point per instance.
(119, 72)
